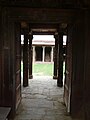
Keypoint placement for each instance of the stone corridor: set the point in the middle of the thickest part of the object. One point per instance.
(42, 100)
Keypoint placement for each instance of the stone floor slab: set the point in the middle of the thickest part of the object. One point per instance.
(42, 100)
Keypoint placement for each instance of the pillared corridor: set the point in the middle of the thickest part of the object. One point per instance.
(42, 100)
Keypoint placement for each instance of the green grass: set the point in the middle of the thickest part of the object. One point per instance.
(43, 69)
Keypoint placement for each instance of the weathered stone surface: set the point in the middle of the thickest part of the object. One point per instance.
(42, 100)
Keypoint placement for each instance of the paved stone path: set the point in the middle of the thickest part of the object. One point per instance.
(42, 100)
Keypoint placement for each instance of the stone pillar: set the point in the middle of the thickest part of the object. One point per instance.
(25, 54)
(52, 54)
(33, 54)
(55, 56)
(60, 60)
(30, 56)
(43, 54)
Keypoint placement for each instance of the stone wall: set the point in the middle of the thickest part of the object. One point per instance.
(86, 89)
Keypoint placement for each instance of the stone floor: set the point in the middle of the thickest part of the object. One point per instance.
(42, 100)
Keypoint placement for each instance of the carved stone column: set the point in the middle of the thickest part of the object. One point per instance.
(30, 56)
(60, 60)
(25, 53)
(55, 56)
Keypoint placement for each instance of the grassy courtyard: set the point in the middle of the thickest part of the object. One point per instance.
(43, 69)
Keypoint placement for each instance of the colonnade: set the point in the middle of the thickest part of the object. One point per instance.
(43, 53)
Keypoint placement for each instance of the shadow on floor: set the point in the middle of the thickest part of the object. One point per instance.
(42, 100)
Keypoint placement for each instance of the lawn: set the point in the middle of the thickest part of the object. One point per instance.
(43, 69)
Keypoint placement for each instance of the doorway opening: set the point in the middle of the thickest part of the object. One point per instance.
(43, 52)
(43, 47)
(40, 93)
